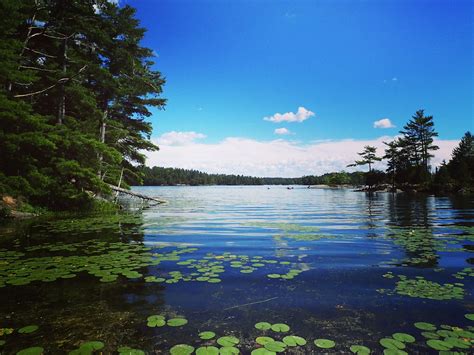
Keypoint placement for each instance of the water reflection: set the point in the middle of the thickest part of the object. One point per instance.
(340, 243)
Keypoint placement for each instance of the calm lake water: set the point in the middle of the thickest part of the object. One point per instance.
(333, 264)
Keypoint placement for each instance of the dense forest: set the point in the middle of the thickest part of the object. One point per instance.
(158, 176)
(76, 86)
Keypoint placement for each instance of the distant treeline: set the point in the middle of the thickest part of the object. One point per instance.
(159, 176)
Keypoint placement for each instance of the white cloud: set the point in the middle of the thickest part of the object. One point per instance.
(301, 115)
(277, 157)
(282, 130)
(174, 138)
(384, 123)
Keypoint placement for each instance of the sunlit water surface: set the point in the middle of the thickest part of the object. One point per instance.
(330, 263)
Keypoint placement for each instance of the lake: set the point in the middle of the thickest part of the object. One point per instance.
(244, 268)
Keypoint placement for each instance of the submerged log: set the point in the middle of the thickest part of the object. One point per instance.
(136, 194)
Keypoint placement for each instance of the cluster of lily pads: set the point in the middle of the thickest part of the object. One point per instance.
(93, 223)
(423, 244)
(159, 320)
(292, 231)
(448, 337)
(422, 288)
(106, 261)
(210, 266)
(24, 330)
(466, 272)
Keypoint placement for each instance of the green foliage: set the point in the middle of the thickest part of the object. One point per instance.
(76, 86)
(157, 176)
(369, 157)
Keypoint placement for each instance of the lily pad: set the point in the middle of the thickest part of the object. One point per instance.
(404, 337)
(207, 335)
(458, 343)
(126, 350)
(469, 316)
(280, 327)
(156, 321)
(214, 281)
(430, 335)
(274, 276)
(294, 340)
(425, 326)
(264, 340)
(92, 346)
(34, 350)
(359, 349)
(28, 329)
(276, 346)
(228, 350)
(207, 350)
(182, 349)
(262, 351)
(394, 352)
(227, 341)
(390, 343)
(177, 322)
(439, 344)
(263, 325)
(324, 343)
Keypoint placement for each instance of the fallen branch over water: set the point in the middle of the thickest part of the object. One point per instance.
(249, 304)
(136, 194)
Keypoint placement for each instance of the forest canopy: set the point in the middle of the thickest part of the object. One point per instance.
(76, 88)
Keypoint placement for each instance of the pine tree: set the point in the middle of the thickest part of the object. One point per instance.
(461, 165)
(369, 157)
(418, 135)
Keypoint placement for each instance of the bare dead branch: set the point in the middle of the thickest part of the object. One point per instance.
(59, 82)
(40, 53)
(35, 68)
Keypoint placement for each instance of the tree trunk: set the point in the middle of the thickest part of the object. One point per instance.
(103, 127)
(62, 93)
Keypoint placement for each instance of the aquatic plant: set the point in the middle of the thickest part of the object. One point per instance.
(324, 343)
(34, 350)
(227, 341)
(294, 340)
(156, 321)
(126, 350)
(176, 322)
(207, 350)
(88, 348)
(28, 329)
(422, 288)
(181, 349)
(359, 349)
(207, 335)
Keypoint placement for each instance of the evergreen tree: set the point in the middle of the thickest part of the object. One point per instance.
(369, 157)
(461, 165)
(418, 136)
(69, 68)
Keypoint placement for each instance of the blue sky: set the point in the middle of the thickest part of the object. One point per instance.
(229, 64)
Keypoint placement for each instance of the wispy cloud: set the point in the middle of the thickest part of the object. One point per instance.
(174, 138)
(279, 157)
(301, 115)
(384, 123)
(281, 131)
